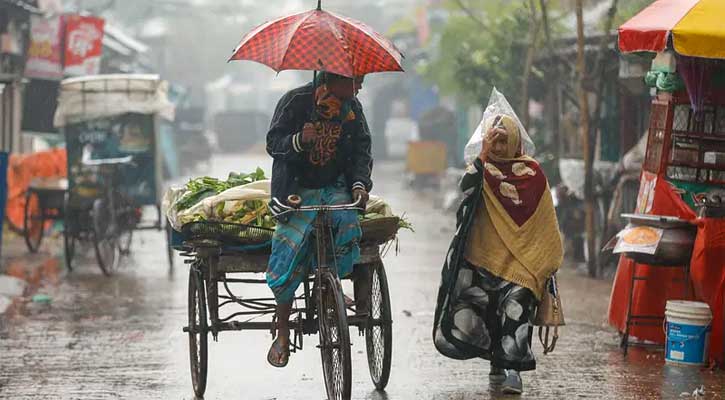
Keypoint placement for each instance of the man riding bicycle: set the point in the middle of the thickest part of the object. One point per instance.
(323, 155)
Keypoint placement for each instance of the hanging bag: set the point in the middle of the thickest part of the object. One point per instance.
(549, 316)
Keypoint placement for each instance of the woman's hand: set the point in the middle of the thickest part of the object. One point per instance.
(489, 138)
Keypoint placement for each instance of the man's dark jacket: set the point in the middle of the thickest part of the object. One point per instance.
(292, 170)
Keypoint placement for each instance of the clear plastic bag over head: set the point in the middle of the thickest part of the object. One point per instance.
(497, 105)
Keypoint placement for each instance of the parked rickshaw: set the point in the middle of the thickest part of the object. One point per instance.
(111, 125)
(43, 204)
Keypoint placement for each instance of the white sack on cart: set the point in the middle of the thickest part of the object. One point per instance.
(259, 190)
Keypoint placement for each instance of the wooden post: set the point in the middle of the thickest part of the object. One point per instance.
(533, 38)
(596, 124)
(586, 139)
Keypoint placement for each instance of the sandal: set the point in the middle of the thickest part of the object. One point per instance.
(277, 352)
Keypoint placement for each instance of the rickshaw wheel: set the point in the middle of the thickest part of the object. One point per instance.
(125, 239)
(69, 247)
(169, 249)
(69, 240)
(33, 222)
(334, 339)
(198, 332)
(379, 330)
(105, 237)
(127, 221)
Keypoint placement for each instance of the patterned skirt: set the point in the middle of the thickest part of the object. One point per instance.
(293, 247)
(491, 317)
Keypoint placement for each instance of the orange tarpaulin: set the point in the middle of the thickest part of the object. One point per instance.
(22, 169)
(707, 274)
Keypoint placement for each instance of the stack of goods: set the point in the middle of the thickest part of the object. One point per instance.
(242, 199)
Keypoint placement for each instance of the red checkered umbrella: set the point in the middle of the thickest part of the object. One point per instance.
(321, 41)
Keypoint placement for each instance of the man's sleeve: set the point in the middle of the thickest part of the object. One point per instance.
(283, 139)
(362, 159)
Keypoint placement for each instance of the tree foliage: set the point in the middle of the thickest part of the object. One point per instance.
(484, 43)
(481, 47)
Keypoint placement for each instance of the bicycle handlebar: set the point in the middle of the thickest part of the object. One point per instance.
(356, 205)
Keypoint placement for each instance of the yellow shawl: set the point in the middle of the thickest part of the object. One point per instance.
(526, 254)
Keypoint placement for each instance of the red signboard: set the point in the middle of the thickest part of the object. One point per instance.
(83, 44)
(46, 49)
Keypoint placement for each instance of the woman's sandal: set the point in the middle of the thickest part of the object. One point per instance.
(277, 352)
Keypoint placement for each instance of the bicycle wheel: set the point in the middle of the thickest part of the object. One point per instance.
(33, 221)
(334, 339)
(379, 330)
(105, 237)
(198, 332)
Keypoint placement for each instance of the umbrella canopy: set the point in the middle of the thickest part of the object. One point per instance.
(695, 28)
(321, 41)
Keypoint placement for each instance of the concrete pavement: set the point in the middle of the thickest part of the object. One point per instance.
(121, 337)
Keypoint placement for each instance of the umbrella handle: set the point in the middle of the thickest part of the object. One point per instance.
(319, 5)
(313, 116)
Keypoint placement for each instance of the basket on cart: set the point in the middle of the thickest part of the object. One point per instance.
(226, 233)
(379, 230)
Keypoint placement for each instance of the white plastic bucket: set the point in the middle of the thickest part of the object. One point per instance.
(688, 332)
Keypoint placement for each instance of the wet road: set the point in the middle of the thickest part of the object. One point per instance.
(121, 338)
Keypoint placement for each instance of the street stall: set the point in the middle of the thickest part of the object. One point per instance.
(673, 248)
(111, 125)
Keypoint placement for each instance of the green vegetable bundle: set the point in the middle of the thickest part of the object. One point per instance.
(200, 188)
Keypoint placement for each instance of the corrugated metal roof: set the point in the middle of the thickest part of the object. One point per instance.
(124, 39)
(24, 5)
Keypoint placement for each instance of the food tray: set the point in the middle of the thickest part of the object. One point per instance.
(658, 221)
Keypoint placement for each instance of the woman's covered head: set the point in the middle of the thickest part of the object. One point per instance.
(508, 141)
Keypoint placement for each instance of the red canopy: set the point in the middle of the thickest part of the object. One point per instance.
(650, 29)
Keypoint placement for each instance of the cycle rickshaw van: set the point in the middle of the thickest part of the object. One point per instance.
(111, 125)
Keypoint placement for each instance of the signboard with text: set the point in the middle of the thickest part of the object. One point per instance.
(46, 49)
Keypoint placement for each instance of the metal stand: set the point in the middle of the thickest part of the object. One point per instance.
(646, 320)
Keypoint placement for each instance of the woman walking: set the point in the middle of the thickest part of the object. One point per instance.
(507, 245)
